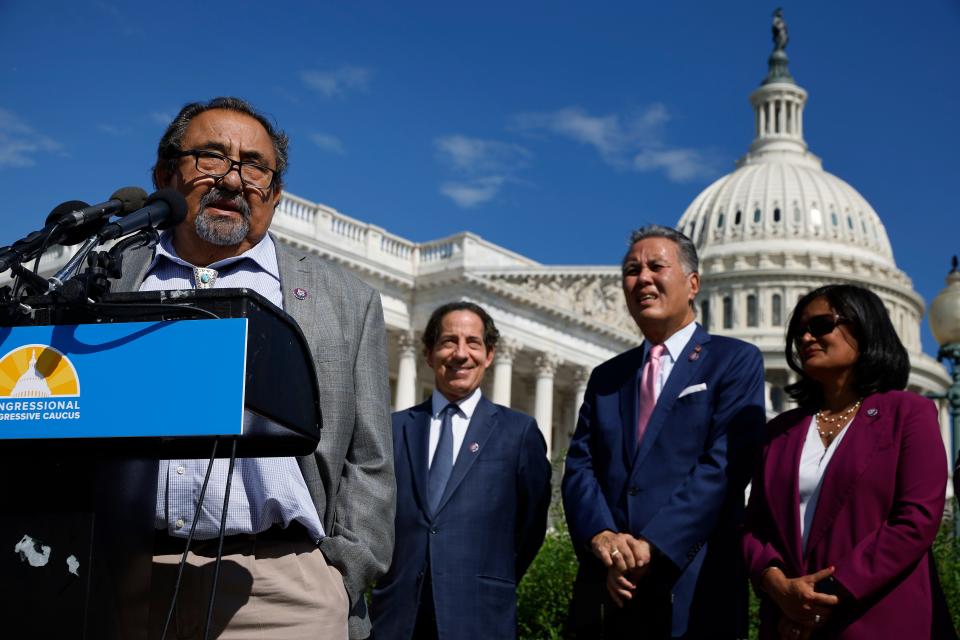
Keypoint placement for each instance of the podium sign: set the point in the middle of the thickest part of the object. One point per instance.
(123, 380)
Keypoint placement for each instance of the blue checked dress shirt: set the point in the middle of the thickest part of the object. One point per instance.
(265, 491)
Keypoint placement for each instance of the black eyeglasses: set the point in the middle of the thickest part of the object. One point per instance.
(819, 326)
(217, 165)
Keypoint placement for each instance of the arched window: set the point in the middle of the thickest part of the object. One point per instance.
(776, 214)
(752, 314)
(797, 215)
(720, 220)
(833, 218)
(737, 218)
(705, 314)
(776, 310)
(727, 312)
(757, 214)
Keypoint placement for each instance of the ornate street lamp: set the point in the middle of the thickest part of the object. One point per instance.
(945, 325)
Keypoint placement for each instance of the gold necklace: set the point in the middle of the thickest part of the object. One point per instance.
(830, 426)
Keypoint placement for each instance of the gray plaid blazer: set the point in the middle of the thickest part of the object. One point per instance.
(350, 475)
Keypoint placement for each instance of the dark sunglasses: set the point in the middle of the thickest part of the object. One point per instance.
(819, 326)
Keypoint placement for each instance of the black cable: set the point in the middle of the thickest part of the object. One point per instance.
(223, 524)
(193, 527)
(43, 247)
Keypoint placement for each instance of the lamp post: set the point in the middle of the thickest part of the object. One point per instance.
(945, 325)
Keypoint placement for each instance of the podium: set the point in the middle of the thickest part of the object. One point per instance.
(109, 389)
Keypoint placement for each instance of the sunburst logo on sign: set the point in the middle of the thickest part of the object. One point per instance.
(37, 371)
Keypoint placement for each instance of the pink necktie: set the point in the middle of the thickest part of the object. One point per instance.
(648, 389)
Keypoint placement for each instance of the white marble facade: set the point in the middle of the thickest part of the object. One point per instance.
(556, 323)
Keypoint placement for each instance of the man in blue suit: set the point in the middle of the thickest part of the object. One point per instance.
(656, 470)
(473, 488)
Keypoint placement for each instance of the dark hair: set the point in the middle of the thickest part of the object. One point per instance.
(172, 138)
(883, 363)
(432, 331)
(685, 246)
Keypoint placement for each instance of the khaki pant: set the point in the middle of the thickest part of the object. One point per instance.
(275, 589)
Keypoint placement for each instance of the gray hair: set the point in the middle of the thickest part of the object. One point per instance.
(685, 246)
(172, 138)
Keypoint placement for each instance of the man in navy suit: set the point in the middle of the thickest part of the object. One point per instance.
(473, 488)
(656, 470)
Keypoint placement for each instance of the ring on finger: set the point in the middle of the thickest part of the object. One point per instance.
(816, 619)
(615, 552)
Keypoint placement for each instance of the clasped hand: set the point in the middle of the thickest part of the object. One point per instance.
(803, 608)
(627, 560)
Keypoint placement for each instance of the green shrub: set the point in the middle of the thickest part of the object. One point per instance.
(543, 596)
(946, 553)
(545, 591)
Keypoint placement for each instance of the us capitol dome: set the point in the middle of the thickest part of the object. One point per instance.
(779, 226)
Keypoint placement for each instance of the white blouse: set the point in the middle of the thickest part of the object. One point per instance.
(813, 464)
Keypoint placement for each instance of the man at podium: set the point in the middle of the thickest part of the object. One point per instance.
(304, 536)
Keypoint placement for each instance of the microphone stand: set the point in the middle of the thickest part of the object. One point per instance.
(57, 280)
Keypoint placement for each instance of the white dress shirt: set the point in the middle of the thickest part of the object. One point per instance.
(460, 420)
(813, 464)
(264, 491)
(675, 345)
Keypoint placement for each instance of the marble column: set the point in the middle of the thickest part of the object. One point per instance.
(406, 371)
(503, 371)
(546, 366)
(580, 377)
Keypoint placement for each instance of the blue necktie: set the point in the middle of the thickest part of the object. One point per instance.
(442, 463)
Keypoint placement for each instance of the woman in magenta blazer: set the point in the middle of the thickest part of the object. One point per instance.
(850, 489)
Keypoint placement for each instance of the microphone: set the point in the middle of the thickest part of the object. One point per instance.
(165, 208)
(28, 247)
(85, 220)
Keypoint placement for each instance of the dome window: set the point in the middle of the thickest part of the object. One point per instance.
(816, 218)
(752, 315)
(737, 218)
(776, 314)
(705, 314)
(727, 312)
(776, 214)
(720, 220)
(850, 223)
(757, 214)
(797, 215)
(833, 218)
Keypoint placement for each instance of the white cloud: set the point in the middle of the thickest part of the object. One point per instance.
(19, 142)
(484, 167)
(475, 155)
(327, 142)
(161, 117)
(332, 83)
(113, 130)
(472, 193)
(681, 165)
(632, 141)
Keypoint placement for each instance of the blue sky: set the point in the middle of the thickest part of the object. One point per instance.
(551, 128)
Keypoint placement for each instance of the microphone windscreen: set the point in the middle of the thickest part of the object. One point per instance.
(133, 199)
(63, 209)
(177, 203)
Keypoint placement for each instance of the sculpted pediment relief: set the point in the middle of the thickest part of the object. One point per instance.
(595, 297)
